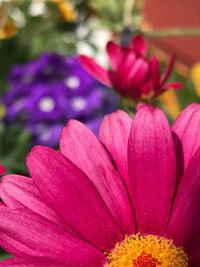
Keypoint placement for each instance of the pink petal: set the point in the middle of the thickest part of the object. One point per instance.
(114, 134)
(114, 53)
(146, 87)
(151, 161)
(18, 191)
(194, 261)
(167, 71)
(82, 147)
(185, 218)
(192, 250)
(27, 234)
(173, 85)
(33, 262)
(187, 128)
(118, 78)
(126, 64)
(2, 169)
(138, 72)
(139, 45)
(186, 137)
(140, 105)
(118, 83)
(95, 70)
(73, 196)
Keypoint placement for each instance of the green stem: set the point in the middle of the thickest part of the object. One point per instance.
(172, 32)
(128, 104)
(127, 12)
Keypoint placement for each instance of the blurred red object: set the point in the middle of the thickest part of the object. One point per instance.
(2, 169)
(175, 13)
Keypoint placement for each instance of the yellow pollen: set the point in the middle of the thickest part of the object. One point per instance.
(146, 251)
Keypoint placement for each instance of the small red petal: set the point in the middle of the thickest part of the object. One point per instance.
(2, 169)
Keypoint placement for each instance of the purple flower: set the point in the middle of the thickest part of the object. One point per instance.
(45, 93)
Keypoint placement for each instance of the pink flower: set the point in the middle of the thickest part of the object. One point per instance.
(132, 74)
(130, 199)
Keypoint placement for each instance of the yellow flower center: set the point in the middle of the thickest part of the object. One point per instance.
(147, 251)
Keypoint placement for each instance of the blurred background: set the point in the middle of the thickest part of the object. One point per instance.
(43, 85)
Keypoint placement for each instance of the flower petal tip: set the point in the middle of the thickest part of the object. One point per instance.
(2, 169)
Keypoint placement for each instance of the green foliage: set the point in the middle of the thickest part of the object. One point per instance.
(14, 146)
(4, 255)
(47, 32)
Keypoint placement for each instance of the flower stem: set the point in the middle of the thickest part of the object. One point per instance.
(127, 12)
(172, 32)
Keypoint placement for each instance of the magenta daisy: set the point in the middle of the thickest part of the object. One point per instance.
(130, 199)
(132, 73)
